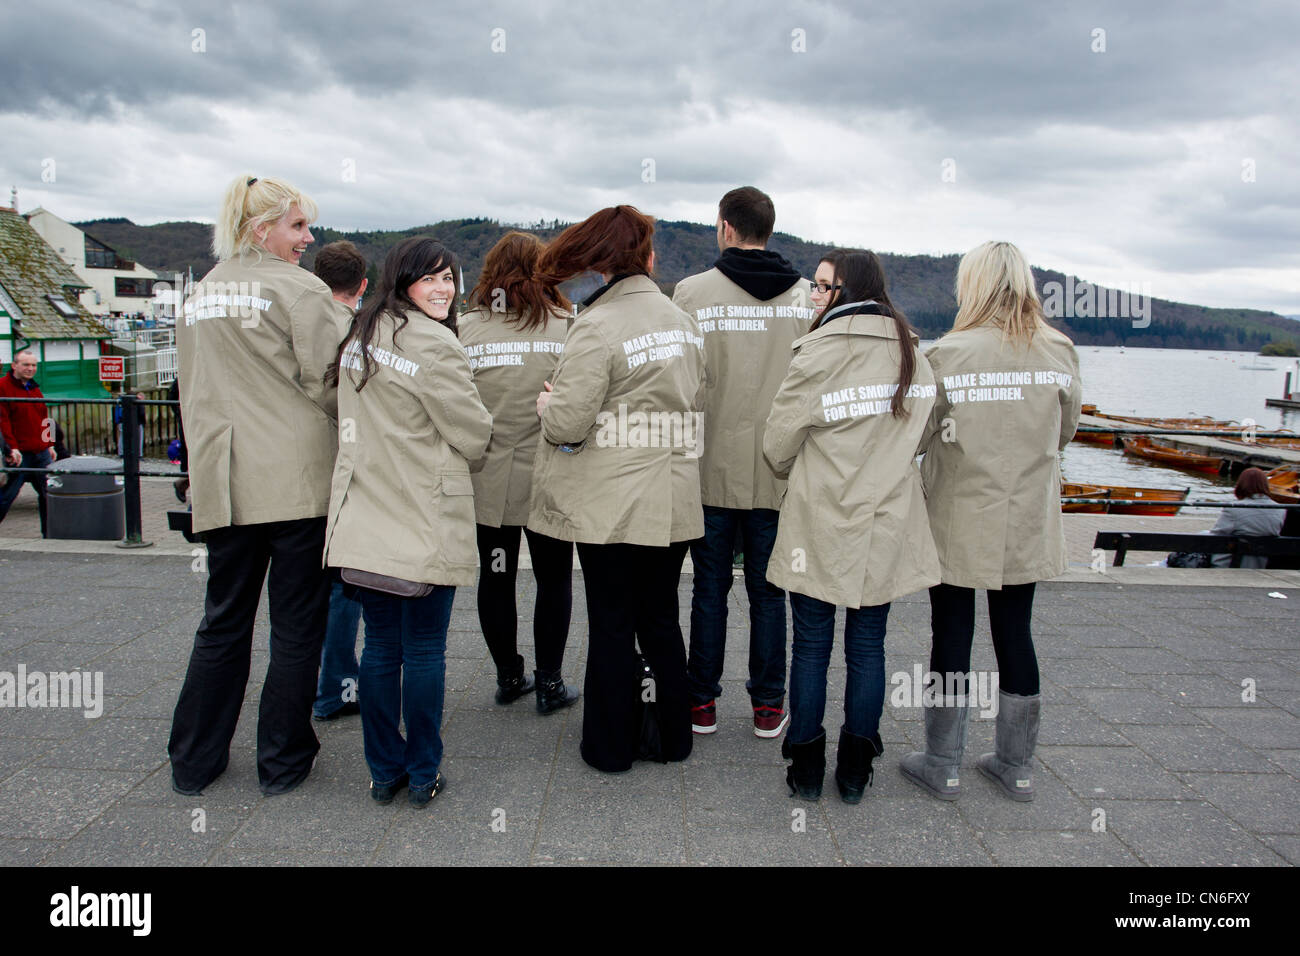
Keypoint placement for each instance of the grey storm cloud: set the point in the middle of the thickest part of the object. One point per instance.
(1138, 148)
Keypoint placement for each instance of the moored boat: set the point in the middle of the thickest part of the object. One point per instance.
(1284, 485)
(1162, 501)
(1144, 447)
(1070, 489)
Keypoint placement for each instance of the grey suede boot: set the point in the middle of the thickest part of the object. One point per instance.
(1017, 735)
(945, 739)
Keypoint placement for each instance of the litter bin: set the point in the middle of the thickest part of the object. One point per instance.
(85, 507)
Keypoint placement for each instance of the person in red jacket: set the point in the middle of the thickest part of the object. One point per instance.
(28, 433)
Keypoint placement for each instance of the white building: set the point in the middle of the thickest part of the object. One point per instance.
(118, 286)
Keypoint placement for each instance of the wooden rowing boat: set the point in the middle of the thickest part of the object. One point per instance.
(1163, 501)
(1144, 447)
(1284, 485)
(1070, 489)
(1199, 422)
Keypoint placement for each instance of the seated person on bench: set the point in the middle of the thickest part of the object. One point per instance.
(1256, 522)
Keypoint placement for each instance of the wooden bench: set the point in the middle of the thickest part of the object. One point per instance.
(1121, 542)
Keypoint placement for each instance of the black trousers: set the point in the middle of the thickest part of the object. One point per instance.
(631, 602)
(213, 692)
(952, 622)
(498, 557)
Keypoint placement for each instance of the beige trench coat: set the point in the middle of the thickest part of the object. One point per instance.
(402, 502)
(253, 344)
(747, 344)
(853, 530)
(628, 386)
(509, 368)
(991, 468)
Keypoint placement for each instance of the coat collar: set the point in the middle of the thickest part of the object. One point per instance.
(864, 324)
(621, 285)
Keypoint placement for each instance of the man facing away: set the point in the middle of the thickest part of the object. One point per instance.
(28, 433)
(750, 307)
(343, 268)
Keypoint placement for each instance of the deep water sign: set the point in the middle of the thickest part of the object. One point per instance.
(112, 368)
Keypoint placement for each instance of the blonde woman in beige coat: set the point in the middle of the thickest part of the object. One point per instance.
(255, 339)
(845, 427)
(618, 472)
(402, 504)
(514, 336)
(1008, 403)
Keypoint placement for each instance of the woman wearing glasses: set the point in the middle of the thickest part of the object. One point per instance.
(853, 533)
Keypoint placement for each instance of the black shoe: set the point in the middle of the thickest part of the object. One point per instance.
(853, 771)
(180, 486)
(808, 767)
(383, 793)
(347, 710)
(421, 796)
(513, 684)
(552, 695)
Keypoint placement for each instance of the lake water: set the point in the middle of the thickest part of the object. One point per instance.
(1174, 383)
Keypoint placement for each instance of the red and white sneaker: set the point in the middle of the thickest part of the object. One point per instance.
(704, 718)
(770, 721)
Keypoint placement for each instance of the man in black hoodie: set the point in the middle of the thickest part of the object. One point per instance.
(750, 307)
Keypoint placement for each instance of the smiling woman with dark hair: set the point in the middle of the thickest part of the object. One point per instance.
(401, 516)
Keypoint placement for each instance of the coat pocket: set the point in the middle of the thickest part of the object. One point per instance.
(455, 528)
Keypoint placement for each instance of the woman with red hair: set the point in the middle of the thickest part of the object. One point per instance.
(618, 473)
(514, 336)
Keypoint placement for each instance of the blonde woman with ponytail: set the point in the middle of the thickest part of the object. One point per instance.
(255, 339)
(1008, 402)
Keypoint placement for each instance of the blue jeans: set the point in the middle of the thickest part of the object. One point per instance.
(711, 557)
(338, 655)
(31, 459)
(864, 654)
(403, 671)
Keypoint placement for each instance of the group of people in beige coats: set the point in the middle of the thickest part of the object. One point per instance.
(405, 449)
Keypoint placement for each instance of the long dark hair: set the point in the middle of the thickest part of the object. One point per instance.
(509, 278)
(409, 261)
(860, 277)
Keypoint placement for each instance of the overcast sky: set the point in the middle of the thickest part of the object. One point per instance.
(1162, 150)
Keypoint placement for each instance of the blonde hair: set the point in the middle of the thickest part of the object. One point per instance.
(251, 202)
(996, 286)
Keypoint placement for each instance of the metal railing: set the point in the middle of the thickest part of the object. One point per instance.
(144, 418)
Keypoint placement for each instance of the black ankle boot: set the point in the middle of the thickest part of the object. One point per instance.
(552, 695)
(853, 771)
(804, 778)
(513, 683)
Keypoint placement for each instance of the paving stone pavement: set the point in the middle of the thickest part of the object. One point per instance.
(1171, 716)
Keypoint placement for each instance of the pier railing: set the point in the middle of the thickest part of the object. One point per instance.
(92, 427)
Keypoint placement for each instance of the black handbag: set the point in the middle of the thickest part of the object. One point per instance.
(1188, 559)
(384, 584)
(650, 746)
